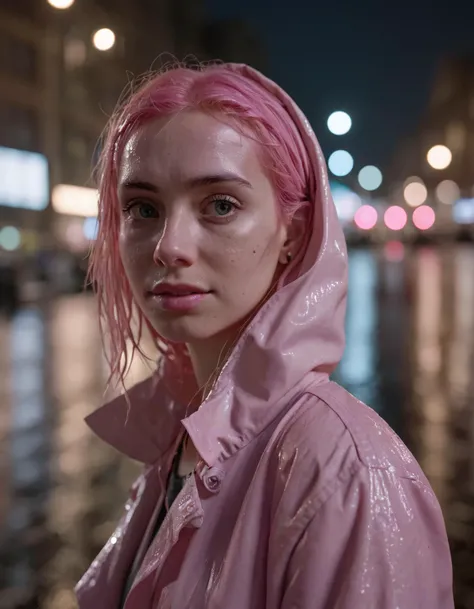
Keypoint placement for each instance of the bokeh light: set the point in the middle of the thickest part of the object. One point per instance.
(415, 193)
(370, 177)
(366, 217)
(90, 228)
(10, 238)
(439, 157)
(412, 179)
(395, 217)
(339, 123)
(394, 251)
(424, 217)
(74, 200)
(61, 4)
(347, 202)
(463, 211)
(447, 192)
(103, 39)
(340, 163)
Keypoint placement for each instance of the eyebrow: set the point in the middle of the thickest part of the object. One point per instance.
(196, 182)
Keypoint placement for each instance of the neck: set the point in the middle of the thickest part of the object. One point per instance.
(208, 356)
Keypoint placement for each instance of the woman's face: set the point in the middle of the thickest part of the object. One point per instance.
(200, 235)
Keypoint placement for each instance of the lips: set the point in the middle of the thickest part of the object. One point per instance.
(175, 293)
(176, 290)
(180, 298)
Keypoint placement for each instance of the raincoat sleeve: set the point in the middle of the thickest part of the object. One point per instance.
(377, 541)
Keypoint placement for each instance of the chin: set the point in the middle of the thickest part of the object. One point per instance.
(185, 329)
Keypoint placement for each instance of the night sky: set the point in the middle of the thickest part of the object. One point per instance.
(374, 59)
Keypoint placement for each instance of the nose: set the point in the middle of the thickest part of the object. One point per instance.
(176, 246)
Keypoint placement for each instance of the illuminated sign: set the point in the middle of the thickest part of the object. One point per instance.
(24, 179)
(75, 200)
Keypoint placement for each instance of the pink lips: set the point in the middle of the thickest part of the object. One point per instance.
(177, 297)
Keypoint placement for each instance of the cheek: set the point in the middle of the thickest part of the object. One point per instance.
(132, 255)
(249, 264)
(124, 249)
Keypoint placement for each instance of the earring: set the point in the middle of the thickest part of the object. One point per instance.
(289, 257)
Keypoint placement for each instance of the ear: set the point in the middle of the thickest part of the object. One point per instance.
(295, 233)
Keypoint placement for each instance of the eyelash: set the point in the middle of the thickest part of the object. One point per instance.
(127, 207)
(227, 199)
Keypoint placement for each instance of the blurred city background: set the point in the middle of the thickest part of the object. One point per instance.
(391, 98)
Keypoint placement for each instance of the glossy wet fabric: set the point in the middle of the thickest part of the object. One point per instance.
(303, 497)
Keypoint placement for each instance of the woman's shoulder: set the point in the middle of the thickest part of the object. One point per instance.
(330, 436)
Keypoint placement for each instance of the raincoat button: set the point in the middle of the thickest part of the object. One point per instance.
(213, 479)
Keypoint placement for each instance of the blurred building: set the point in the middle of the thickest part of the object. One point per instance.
(60, 81)
(448, 121)
(58, 85)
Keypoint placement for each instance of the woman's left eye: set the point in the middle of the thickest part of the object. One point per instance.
(220, 207)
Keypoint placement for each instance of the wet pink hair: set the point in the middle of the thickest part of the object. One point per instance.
(226, 94)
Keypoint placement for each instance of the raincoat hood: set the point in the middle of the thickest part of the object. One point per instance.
(298, 331)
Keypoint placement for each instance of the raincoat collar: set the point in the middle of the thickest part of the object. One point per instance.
(297, 336)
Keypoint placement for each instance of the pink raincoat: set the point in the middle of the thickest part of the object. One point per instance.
(303, 498)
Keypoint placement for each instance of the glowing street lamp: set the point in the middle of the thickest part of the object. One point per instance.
(103, 39)
(439, 157)
(339, 123)
(61, 4)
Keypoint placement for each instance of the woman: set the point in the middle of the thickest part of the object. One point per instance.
(265, 485)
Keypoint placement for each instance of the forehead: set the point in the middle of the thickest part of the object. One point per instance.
(185, 145)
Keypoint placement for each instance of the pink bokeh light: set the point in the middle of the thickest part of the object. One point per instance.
(394, 251)
(424, 217)
(366, 217)
(395, 217)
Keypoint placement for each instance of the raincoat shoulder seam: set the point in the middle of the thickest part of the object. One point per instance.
(353, 439)
(325, 494)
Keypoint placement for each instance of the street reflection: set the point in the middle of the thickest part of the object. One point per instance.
(409, 355)
(358, 366)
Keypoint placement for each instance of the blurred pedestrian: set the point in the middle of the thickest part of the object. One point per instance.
(264, 484)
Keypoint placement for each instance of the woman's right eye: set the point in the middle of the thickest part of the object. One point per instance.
(140, 210)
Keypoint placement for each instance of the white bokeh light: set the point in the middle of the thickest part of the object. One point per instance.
(415, 193)
(61, 4)
(447, 192)
(339, 123)
(103, 39)
(370, 177)
(340, 163)
(439, 157)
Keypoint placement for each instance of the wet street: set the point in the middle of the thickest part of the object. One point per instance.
(409, 355)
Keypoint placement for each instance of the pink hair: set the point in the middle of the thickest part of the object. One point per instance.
(230, 96)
